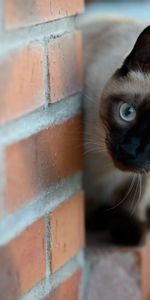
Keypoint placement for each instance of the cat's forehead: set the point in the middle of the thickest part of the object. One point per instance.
(135, 83)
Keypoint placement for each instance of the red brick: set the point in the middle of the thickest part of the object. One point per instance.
(20, 14)
(65, 66)
(22, 262)
(67, 231)
(44, 159)
(68, 290)
(21, 82)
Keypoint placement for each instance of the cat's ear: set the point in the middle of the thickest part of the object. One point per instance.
(139, 57)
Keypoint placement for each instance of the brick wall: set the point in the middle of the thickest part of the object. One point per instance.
(41, 198)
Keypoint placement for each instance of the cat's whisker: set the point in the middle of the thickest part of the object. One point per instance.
(93, 143)
(134, 196)
(126, 195)
(93, 151)
(91, 99)
(97, 150)
(146, 172)
(94, 138)
(140, 181)
(135, 203)
(94, 146)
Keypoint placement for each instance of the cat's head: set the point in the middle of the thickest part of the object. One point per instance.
(125, 109)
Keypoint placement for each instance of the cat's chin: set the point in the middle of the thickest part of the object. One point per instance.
(128, 166)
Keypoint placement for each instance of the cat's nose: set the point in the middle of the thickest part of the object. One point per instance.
(127, 151)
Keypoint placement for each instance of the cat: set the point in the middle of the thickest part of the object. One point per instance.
(117, 126)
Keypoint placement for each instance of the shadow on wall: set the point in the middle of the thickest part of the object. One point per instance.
(9, 277)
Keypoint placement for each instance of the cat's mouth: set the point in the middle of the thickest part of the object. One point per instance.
(125, 163)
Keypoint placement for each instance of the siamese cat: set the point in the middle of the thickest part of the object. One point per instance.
(117, 127)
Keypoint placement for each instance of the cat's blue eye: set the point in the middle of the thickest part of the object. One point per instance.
(127, 112)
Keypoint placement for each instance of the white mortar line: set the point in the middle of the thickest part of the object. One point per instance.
(13, 224)
(83, 293)
(49, 30)
(42, 289)
(46, 74)
(56, 113)
(47, 245)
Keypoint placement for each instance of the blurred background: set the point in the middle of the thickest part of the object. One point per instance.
(134, 9)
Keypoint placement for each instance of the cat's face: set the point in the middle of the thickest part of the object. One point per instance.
(125, 109)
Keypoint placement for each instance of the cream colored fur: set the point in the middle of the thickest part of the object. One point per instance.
(107, 41)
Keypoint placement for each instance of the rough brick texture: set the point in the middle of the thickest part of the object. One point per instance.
(41, 234)
(22, 71)
(20, 14)
(119, 273)
(39, 163)
(21, 82)
(67, 231)
(22, 262)
(69, 290)
(65, 66)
